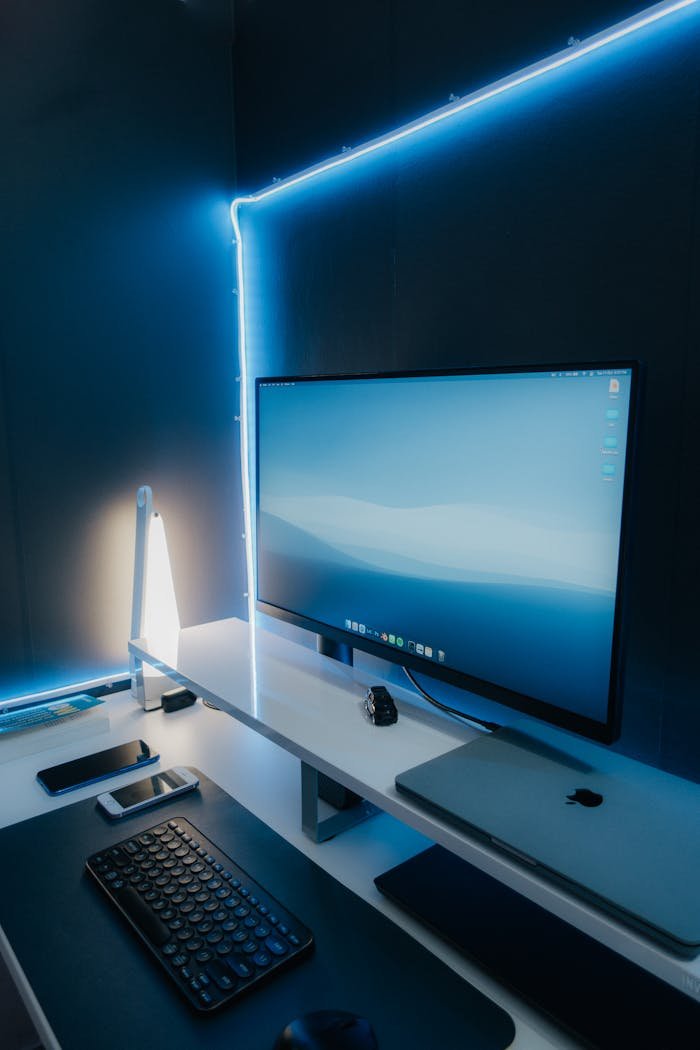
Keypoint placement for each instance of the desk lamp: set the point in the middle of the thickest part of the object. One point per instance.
(154, 615)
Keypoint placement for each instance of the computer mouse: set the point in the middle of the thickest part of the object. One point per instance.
(328, 1030)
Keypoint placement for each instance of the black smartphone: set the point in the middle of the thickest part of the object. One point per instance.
(91, 768)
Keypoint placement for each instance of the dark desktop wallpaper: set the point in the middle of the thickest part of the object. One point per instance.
(486, 538)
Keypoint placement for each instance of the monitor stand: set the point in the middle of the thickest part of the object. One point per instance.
(340, 651)
(319, 790)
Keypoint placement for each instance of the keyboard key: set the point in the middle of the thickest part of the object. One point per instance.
(142, 917)
(222, 976)
(239, 966)
(276, 946)
(262, 959)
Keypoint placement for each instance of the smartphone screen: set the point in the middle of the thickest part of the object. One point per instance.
(91, 768)
(160, 784)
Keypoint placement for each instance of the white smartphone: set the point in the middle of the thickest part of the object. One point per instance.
(148, 792)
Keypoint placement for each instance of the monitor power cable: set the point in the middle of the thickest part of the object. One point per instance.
(480, 722)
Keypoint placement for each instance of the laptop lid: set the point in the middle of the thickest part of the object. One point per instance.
(622, 835)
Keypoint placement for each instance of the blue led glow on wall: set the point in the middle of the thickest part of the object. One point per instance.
(317, 176)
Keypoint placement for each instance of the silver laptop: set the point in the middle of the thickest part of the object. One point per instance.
(622, 835)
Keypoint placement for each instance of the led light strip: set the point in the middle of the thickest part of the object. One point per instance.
(60, 691)
(577, 50)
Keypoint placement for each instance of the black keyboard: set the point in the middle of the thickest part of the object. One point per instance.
(215, 930)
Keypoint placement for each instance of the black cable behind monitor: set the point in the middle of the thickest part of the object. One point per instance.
(481, 722)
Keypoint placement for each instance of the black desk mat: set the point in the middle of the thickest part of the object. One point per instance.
(99, 987)
(605, 1000)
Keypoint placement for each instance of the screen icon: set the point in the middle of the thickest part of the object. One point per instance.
(419, 648)
(429, 652)
(614, 386)
(384, 636)
(392, 639)
(399, 642)
(609, 470)
(355, 625)
(612, 413)
(348, 625)
(610, 442)
(441, 656)
(362, 628)
(411, 647)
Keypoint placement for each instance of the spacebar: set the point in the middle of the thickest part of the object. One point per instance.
(142, 916)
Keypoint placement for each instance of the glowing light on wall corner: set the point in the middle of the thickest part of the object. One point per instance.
(576, 50)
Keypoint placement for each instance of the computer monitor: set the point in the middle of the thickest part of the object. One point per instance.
(466, 524)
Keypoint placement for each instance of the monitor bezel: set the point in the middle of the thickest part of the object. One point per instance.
(601, 731)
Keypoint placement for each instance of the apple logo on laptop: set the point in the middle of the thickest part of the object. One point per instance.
(585, 796)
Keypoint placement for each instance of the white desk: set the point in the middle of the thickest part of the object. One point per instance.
(266, 779)
(326, 727)
(313, 707)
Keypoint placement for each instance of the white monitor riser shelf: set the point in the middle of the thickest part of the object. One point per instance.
(313, 707)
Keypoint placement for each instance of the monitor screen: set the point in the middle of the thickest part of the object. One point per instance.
(465, 524)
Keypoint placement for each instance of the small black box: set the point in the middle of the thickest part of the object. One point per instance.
(176, 699)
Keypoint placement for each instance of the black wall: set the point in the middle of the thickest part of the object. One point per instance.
(561, 227)
(118, 359)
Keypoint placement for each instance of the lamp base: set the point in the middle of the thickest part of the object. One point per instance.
(148, 686)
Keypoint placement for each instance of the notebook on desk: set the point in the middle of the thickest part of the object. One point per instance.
(621, 835)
